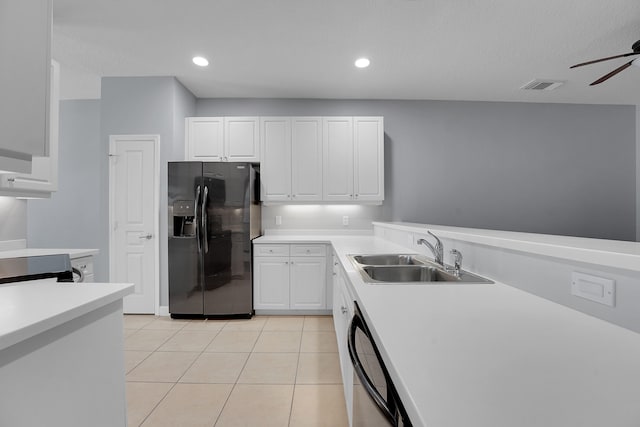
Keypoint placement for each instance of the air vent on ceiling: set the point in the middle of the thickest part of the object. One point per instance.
(541, 85)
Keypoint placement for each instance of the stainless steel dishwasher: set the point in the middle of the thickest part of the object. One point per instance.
(375, 399)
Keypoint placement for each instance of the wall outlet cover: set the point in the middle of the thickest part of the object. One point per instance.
(594, 288)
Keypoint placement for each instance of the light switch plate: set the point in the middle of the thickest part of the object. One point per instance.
(594, 288)
(278, 220)
(345, 220)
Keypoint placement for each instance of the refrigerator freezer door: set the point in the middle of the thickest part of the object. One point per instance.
(227, 262)
(185, 230)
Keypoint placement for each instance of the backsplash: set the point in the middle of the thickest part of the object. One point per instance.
(13, 214)
(320, 217)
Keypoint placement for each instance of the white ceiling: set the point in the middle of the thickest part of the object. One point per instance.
(419, 49)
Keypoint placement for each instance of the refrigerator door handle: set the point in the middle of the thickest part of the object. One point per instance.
(205, 237)
(195, 218)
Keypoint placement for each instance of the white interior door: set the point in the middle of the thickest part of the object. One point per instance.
(133, 195)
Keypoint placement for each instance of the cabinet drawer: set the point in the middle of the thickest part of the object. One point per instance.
(308, 250)
(271, 250)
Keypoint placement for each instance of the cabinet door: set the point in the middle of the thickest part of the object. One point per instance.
(271, 283)
(342, 315)
(241, 139)
(25, 48)
(43, 179)
(275, 168)
(204, 139)
(368, 137)
(308, 282)
(337, 160)
(306, 156)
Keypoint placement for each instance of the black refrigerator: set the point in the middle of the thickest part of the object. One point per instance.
(214, 214)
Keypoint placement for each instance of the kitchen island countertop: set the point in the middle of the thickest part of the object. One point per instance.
(30, 308)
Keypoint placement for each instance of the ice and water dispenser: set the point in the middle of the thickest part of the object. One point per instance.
(184, 220)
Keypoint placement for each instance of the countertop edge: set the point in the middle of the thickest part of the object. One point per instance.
(73, 253)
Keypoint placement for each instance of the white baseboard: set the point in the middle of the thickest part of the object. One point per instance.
(163, 310)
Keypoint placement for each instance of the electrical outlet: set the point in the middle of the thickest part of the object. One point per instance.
(278, 220)
(345, 220)
(594, 288)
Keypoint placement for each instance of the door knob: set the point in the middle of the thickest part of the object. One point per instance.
(146, 236)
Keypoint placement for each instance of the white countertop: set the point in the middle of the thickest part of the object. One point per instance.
(73, 253)
(493, 355)
(30, 308)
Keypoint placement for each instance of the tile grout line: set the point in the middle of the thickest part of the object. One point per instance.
(170, 388)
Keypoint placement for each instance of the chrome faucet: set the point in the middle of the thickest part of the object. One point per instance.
(438, 249)
(457, 261)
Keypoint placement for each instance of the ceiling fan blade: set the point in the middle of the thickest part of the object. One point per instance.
(605, 59)
(611, 74)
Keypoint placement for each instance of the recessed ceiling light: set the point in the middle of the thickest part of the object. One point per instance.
(362, 62)
(199, 60)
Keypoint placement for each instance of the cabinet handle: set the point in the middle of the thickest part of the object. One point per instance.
(286, 262)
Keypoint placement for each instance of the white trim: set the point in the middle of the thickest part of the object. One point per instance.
(155, 139)
(163, 310)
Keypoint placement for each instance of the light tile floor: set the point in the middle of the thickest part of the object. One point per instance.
(266, 371)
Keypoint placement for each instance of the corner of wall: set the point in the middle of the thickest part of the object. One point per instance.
(637, 173)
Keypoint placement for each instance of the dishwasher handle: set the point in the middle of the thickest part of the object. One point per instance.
(381, 403)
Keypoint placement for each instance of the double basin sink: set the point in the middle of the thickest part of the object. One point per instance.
(408, 268)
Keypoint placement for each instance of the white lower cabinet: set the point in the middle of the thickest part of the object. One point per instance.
(271, 283)
(289, 277)
(342, 314)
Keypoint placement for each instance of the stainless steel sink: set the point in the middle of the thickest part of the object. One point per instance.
(408, 268)
(415, 273)
(389, 259)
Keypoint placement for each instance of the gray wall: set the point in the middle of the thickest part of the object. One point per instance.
(70, 218)
(544, 168)
(150, 106)
(13, 215)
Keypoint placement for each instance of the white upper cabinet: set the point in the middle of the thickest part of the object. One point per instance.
(275, 168)
(353, 168)
(43, 179)
(222, 139)
(337, 166)
(303, 159)
(291, 153)
(204, 138)
(368, 151)
(25, 47)
(241, 139)
(306, 158)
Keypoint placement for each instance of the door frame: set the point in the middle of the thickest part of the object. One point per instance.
(155, 140)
